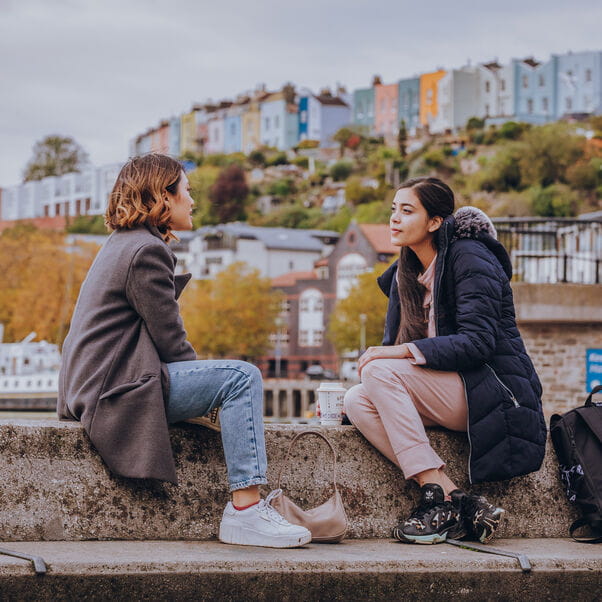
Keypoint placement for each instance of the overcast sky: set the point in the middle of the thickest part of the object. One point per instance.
(103, 71)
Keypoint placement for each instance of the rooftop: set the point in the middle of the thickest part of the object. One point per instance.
(379, 236)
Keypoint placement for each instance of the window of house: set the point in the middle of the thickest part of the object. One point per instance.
(311, 317)
(487, 86)
(348, 269)
(588, 75)
(569, 104)
(544, 104)
(429, 96)
(542, 81)
(304, 116)
(233, 129)
(525, 81)
(529, 105)
(503, 84)
(486, 110)
(266, 123)
(277, 121)
(359, 110)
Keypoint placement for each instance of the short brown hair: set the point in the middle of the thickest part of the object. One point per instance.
(138, 196)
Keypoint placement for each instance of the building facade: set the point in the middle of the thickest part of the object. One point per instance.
(363, 109)
(579, 83)
(409, 104)
(320, 117)
(457, 97)
(429, 105)
(386, 109)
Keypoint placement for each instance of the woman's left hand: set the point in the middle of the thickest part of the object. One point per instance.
(382, 352)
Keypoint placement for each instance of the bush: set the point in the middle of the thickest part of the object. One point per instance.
(257, 158)
(434, 158)
(308, 144)
(87, 224)
(356, 193)
(341, 170)
(585, 175)
(557, 200)
(302, 162)
(277, 159)
(501, 172)
(513, 130)
(377, 212)
(475, 123)
(282, 187)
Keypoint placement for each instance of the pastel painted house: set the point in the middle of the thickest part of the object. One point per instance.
(496, 92)
(251, 123)
(216, 130)
(321, 116)
(457, 96)
(429, 106)
(409, 104)
(363, 109)
(233, 126)
(279, 126)
(535, 90)
(386, 107)
(579, 83)
(174, 137)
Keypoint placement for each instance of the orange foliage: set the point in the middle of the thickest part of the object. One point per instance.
(41, 277)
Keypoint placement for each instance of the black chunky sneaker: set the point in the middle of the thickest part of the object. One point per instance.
(481, 519)
(433, 521)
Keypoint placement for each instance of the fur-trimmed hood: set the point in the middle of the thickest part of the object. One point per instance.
(473, 224)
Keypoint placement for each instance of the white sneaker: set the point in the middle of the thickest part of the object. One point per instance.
(261, 525)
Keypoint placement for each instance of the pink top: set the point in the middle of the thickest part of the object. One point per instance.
(427, 279)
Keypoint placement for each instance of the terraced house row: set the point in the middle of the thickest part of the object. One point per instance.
(564, 86)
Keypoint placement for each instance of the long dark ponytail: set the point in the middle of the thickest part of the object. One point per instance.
(438, 200)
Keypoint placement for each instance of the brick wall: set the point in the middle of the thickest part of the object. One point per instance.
(558, 352)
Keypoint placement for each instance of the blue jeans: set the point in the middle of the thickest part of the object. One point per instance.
(197, 387)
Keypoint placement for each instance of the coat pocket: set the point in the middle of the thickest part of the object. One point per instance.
(125, 387)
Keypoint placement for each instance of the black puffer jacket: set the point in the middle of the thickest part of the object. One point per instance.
(477, 336)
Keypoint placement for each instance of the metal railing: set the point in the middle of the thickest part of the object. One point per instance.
(553, 250)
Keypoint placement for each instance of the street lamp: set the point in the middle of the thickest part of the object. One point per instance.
(363, 318)
(278, 351)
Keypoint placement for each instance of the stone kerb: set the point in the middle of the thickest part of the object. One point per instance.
(55, 486)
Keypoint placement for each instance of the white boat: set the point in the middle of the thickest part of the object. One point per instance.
(29, 374)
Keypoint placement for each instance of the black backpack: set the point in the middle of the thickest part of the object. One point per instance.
(577, 440)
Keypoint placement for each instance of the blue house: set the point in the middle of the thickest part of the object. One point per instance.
(232, 133)
(409, 103)
(363, 108)
(174, 136)
(535, 90)
(321, 116)
(579, 83)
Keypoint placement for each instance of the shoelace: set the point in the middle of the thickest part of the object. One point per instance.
(266, 506)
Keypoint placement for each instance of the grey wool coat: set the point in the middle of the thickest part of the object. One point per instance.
(126, 326)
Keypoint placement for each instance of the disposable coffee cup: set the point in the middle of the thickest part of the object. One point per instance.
(330, 401)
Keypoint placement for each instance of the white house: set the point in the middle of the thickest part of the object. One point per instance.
(273, 251)
(457, 95)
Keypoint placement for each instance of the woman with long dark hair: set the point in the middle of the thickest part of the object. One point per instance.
(452, 356)
(128, 370)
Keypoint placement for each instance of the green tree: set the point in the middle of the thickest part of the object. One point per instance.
(341, 170)
(55, 156)
(475, 123)
(201, 181)
(88, 224)
(232, 315)
(228, 194)
(357, 193)
(556, 200)
(342, 136)
(364, 298)
(402, 138)
(547, 152)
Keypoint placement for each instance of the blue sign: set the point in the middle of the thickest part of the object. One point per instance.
(593, 368)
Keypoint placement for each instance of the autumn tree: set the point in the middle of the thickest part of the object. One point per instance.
(201, 181)
(55, 156)
(364, 298)
(232, 315)
(229, 193)
(42, 273)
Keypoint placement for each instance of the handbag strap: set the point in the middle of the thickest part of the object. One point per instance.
(292, 444)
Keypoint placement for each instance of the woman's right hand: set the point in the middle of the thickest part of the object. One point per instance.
(382, 352)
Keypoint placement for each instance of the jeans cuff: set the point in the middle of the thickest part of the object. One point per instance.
(248, 483)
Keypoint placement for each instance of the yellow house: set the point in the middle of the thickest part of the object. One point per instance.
(251, 125)
(188, 137)
(428, 96)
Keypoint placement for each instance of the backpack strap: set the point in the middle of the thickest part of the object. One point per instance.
(597, 389)
(582, 522)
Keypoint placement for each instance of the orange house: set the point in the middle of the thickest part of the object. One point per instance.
(386, 101)
(428, 96)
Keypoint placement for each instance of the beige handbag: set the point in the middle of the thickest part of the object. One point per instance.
(327, 522)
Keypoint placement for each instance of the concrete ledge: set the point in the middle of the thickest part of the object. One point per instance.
(55, 486)
(353, 570)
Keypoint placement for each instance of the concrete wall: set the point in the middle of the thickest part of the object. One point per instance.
(558, 323)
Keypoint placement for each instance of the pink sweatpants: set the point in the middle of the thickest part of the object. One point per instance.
(394, 402)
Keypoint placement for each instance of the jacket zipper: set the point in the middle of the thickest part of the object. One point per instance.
(514, 401)
(467, 428)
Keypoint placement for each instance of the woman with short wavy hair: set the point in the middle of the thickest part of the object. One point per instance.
(128, 370)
